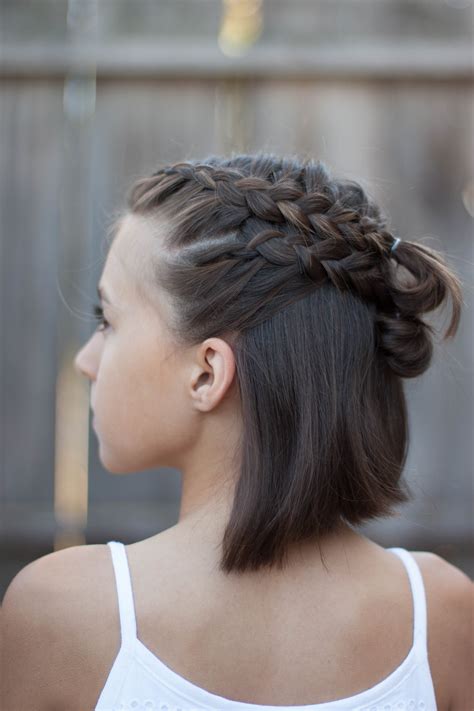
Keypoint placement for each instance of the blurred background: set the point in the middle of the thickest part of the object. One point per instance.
(94, 93)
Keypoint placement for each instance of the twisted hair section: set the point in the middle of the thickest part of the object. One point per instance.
(295, 268)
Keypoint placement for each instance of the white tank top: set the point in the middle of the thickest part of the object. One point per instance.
(140, 681)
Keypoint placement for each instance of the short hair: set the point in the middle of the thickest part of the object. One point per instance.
(294, 267)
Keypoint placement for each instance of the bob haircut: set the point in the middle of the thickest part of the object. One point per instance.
(294, 268)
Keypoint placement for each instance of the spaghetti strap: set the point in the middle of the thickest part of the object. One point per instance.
(128, 624)
(419, 601)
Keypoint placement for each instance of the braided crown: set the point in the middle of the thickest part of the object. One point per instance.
(324, 229)
(293, 227)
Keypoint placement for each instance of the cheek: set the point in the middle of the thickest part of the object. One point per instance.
(143, 417)
(160, 404)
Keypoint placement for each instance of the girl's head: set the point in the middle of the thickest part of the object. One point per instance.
(257, 317)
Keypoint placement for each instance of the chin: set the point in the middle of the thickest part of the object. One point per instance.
(121, 463)
(114, 465)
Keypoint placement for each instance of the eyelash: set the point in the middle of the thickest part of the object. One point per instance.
(98, 314)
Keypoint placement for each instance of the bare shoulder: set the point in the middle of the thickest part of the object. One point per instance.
(450, 604)
(59, 578)
(449, 584)
(43, 608)
(436, 565)
(57, 564)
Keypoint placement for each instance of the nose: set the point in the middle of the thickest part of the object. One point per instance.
(79, 364)
(84, 361)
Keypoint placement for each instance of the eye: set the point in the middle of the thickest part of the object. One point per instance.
(98, 314)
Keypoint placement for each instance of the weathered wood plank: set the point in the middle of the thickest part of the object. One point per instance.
(420, 59)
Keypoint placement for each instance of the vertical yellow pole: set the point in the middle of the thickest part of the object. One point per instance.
(75, 245)
(71, 456)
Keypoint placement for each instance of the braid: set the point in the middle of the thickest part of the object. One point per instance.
(276, 202)
(327, 237)
(301, 229)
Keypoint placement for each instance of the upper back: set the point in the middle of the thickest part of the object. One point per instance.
(283, 641)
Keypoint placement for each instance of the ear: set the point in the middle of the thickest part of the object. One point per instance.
(212, 374)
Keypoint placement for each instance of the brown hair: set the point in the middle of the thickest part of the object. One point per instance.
(294, 267)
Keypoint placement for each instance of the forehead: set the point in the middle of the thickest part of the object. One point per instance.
(125, 256)
(129, 267)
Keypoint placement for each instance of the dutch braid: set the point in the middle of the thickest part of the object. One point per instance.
(326, 230)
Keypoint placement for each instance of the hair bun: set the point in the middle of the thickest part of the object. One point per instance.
(406, 342)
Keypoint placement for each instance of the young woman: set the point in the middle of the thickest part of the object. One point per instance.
(258, 318)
